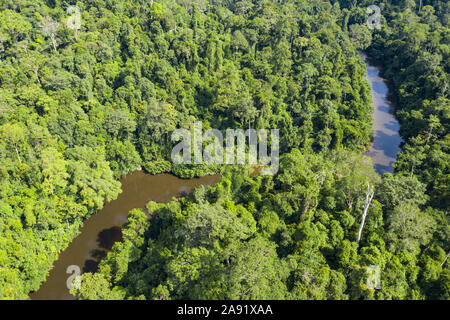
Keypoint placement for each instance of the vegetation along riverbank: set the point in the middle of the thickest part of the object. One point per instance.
(92, 90)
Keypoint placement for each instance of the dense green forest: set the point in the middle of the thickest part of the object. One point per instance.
(85, 102)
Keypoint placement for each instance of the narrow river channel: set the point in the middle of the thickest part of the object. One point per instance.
(103, 229)
(386, 143)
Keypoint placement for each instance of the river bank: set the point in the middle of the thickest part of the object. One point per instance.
(103, 229)
(387, 140)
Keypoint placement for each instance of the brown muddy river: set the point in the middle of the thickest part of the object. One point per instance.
(386, 143)
(103, 229)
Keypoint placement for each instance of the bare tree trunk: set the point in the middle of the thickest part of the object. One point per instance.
(17, 152)
(53, 40)
(420, 5)
(306, 204)
(445, 259)
(369, 197)
(37, 75)
(429, 136)
(412, 170)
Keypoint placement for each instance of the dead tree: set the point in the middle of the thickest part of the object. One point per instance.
(369, 196)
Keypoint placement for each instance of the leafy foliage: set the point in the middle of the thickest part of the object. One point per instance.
(81, 108)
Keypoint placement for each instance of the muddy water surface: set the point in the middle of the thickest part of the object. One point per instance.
(103, 229)
(386, 143)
